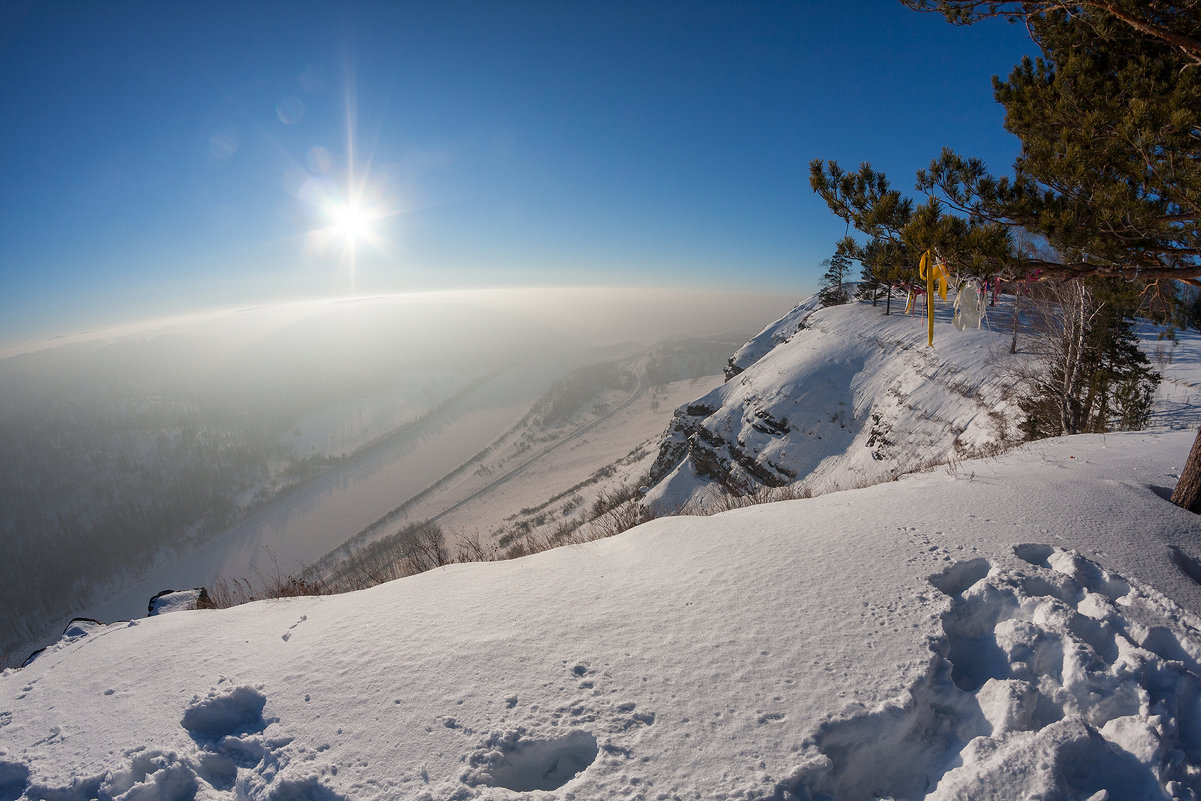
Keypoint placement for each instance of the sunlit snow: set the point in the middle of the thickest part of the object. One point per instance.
(1015, 627)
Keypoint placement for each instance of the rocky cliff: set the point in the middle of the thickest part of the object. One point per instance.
(838, 397)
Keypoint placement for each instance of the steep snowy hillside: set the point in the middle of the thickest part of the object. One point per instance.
(774, 334)
(839, 397)
(1027, 627)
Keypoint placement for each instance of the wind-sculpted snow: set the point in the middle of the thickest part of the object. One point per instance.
(1058, 680)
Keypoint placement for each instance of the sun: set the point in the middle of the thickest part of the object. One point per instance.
(350, 221)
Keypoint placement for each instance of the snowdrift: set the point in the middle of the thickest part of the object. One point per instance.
(1023, 627)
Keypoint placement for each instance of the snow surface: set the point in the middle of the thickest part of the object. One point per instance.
(992, 634)
(1026, 626)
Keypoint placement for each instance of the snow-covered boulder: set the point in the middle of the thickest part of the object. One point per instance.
(177, 601)
(75, 631)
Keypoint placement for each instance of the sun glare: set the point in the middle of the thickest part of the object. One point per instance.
(351, 221)
(351, 210)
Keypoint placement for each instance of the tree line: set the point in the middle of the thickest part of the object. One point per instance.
(1099, 218)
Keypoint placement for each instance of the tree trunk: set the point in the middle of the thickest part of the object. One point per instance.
(1064, 389)
(1013, 344)
(888, 302)
(1187, 494)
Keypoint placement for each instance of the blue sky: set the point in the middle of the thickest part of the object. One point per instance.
(169, 157)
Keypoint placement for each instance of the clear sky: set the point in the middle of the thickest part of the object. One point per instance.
(165, 157)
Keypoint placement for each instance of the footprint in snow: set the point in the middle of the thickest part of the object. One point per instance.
(524, 764)
(218, 715)
(1061, 678)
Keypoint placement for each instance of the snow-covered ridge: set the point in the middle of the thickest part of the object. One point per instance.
(840, 396)
(773, 334)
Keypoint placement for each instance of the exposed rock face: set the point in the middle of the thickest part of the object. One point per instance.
(684, 426)
(711, 456)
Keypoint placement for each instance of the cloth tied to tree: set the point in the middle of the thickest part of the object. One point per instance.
(969, 306)
(931, 271)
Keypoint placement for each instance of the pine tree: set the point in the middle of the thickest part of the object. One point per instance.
(1110, 166)
(890, 264)
(866, 201)
(870, 286)
(1120, 380)
(1175, 24)
(899, 232)
(837, 267)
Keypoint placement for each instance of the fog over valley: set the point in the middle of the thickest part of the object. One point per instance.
(259, 440)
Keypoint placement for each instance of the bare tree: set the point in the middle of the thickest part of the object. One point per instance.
(1080, 369)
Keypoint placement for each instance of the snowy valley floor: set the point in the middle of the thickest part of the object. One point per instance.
(1025, 627)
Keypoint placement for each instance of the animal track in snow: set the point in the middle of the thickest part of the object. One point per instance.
(1065, 675)
(287, 635)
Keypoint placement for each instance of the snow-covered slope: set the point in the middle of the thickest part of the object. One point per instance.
(839, 397)
(1026, 627)
(773, 334)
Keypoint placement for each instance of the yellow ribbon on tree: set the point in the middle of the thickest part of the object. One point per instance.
(931, 271)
